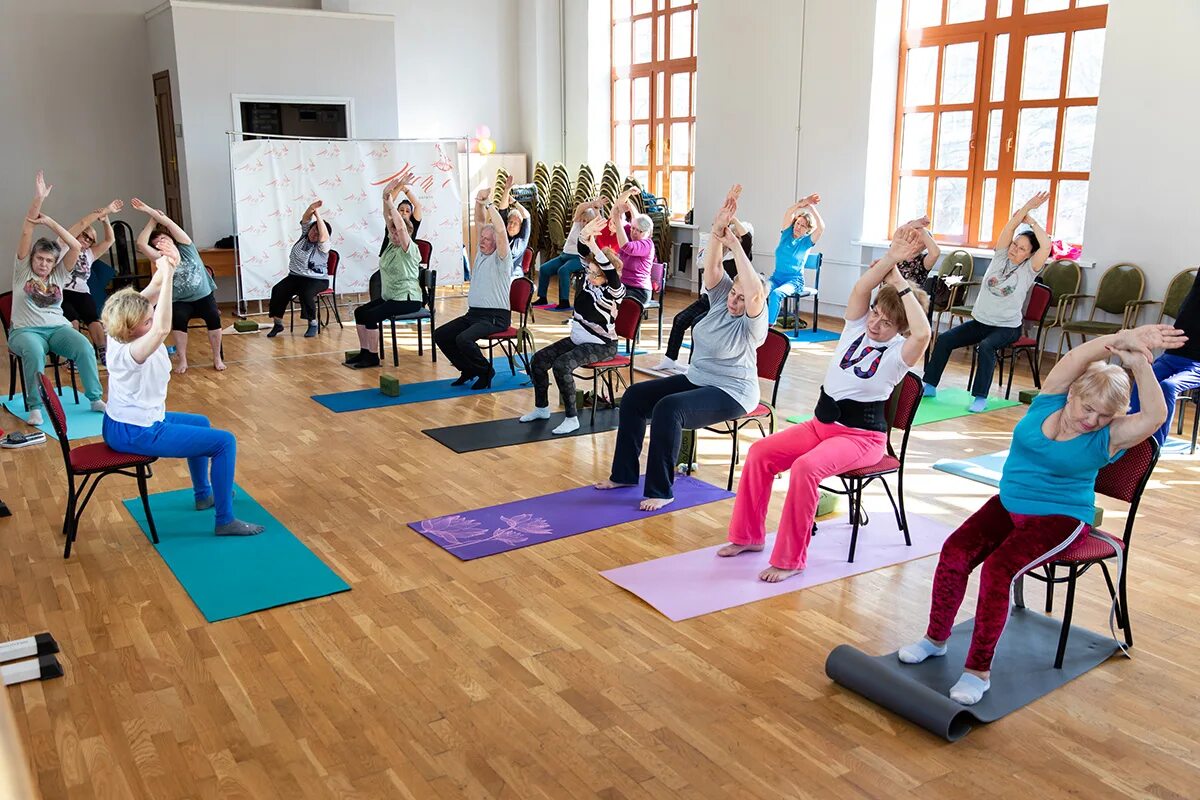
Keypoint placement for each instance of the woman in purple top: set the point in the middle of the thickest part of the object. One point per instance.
(636, 247)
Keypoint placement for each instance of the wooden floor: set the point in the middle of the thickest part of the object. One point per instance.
(527, 675)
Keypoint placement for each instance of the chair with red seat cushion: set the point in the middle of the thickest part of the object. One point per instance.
(771, 357)
(628, 326)
(91, 463)
(902, 410)
(518, 341)
(326, 299)
(1125, 479)
(427, 277)
(1035, 313)
(16, 375)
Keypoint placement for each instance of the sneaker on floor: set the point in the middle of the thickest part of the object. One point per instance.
(276, 329)
(484, 381)
(313, 330)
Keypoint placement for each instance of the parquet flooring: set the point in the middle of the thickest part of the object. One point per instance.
(527, 675)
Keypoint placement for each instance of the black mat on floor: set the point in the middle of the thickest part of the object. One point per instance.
(1022, 671)
(505, 432)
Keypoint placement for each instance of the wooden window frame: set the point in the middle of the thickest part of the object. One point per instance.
(1019, 26)
(653, 167)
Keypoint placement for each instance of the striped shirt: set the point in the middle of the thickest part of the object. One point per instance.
(595, 317)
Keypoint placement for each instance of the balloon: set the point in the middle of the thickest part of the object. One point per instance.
(486, 147)
(483, 132)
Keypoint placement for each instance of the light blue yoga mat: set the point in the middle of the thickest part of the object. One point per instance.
(361, 399)
(984, 468)
(227, 576)
(82, 422)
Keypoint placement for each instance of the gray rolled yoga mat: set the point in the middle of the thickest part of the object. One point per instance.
(1022, 671)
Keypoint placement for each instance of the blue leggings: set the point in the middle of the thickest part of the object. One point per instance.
(779, 289)
(189, 436)
(563, 266)
(1175, 374)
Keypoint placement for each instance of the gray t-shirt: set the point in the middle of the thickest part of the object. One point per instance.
(1001, 300)
(490, 279)
(192, 281)
(37, 302)
(725, 348)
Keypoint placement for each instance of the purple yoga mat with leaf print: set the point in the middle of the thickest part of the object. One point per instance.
(498, 529)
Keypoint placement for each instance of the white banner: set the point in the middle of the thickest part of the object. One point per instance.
(275, 180)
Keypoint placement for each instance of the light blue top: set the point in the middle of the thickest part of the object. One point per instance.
(1046, 477)
(725, 348)
(790, 255)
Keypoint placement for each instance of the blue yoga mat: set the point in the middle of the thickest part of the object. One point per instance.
(82, 422)
(984, 468)
(227, 576)
(361, 399)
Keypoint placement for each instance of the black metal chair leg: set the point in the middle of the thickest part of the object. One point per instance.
(395, 348)
(1123, 604)
(1049, 588)
(733, 458)
(1066, 626)
(855, 505)
(1037, 378)
(71, 499)
(144, 492)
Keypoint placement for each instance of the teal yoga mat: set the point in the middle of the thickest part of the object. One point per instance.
(227, 576)
(82, 422)
(949, 404)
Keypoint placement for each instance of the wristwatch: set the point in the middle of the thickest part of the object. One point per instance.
(906, 290)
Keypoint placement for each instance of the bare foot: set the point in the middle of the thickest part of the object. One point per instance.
(654, 503)
(611, 485)
(737, 549)
(775, 574)
(181, 368)
(218, 365)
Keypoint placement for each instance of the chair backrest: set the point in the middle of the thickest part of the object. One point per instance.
(1126, 478)
(6, 301)
(902, 409)
(957, 262)
(770, 358)
(1120, 284)
(1062, 276)
(58, 417)
(657, 271)
(813, 262)
(520, 294)
(334, 259)
(1177, 291)
(428, 280)
(426, 249)
(527, 260)
(1039, 303)
(629, 321)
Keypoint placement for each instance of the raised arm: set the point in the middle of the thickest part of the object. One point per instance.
(819, 223)
(108, 237)
(481, 198)
(309, 212)
(789, 216)
(617, 216)
(391, 216)
(160, 322)
(413, 201)
(587, 237)
(143, 240)
(905, 244)
(919, 333)
(715, 252)
(582, 209)
(1142, 339)
(507, 200)
(747, 280)
(177, 233)
(40, 192)
(932, 251)
(152, 290)
(501, 233)
(1006, 233)
(1038, 259)
(73, 246)
(322, 231)
(86, 221)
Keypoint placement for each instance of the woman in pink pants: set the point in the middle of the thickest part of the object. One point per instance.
(881, 341)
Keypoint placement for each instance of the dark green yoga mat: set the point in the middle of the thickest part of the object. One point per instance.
(227, 576)
(949, 404)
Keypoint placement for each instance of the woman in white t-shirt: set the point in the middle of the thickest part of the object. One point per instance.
(137, 421)
(881, 341)
(78, 305)
(999, 308)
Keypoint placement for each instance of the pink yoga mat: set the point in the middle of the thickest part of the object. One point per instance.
(700, 582)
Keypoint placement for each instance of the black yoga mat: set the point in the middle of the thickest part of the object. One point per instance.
(505, 432)
(1022, 671)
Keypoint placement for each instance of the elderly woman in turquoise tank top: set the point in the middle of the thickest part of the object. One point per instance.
(1073, 428)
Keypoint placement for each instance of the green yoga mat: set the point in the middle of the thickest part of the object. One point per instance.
(227, 576)
(949, 404)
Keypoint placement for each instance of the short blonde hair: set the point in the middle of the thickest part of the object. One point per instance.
(1105, 385)
(891, 305)
(123, 312)
(807, 217)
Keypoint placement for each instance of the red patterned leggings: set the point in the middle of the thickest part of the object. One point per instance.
(1007, 545)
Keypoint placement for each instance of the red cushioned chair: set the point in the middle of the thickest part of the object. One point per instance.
(527, 261)
(902, 410)
(16, 375)
(1035, 313)
(771, 357)
(517, 341)
(326, 299)
(1125, 479)
(91, 462)
(628, 325)
(428, 279)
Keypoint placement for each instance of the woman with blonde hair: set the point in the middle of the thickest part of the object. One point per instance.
(802, 229)
(137, 421)
(1075, 426)
(883, 338)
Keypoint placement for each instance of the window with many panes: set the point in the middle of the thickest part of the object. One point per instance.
(996, 101)
(654, 95)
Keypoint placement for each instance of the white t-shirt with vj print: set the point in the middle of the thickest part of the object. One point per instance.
(863, 369)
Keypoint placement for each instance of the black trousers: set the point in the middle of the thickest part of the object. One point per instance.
(683, 322)
(301, 286)
(79, 307)
(458, 338)
(564, 357)
(205, 308)
(369, 315)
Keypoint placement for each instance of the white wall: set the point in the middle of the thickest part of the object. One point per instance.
(221, 52)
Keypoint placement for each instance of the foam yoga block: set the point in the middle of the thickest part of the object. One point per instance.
(827, 504)
(245, 325)
(1026, 395)
(389, 385)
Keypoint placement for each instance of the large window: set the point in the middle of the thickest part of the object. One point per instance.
(996, 101)
(654, 95)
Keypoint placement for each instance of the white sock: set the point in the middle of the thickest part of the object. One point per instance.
(537, 413)
(969, 689)
(35, 417)
(665, 365)
(917, 652)
(681, 369)
(568, 425)
(98, 405)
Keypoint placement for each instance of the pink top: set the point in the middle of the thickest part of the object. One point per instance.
(637, 257)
